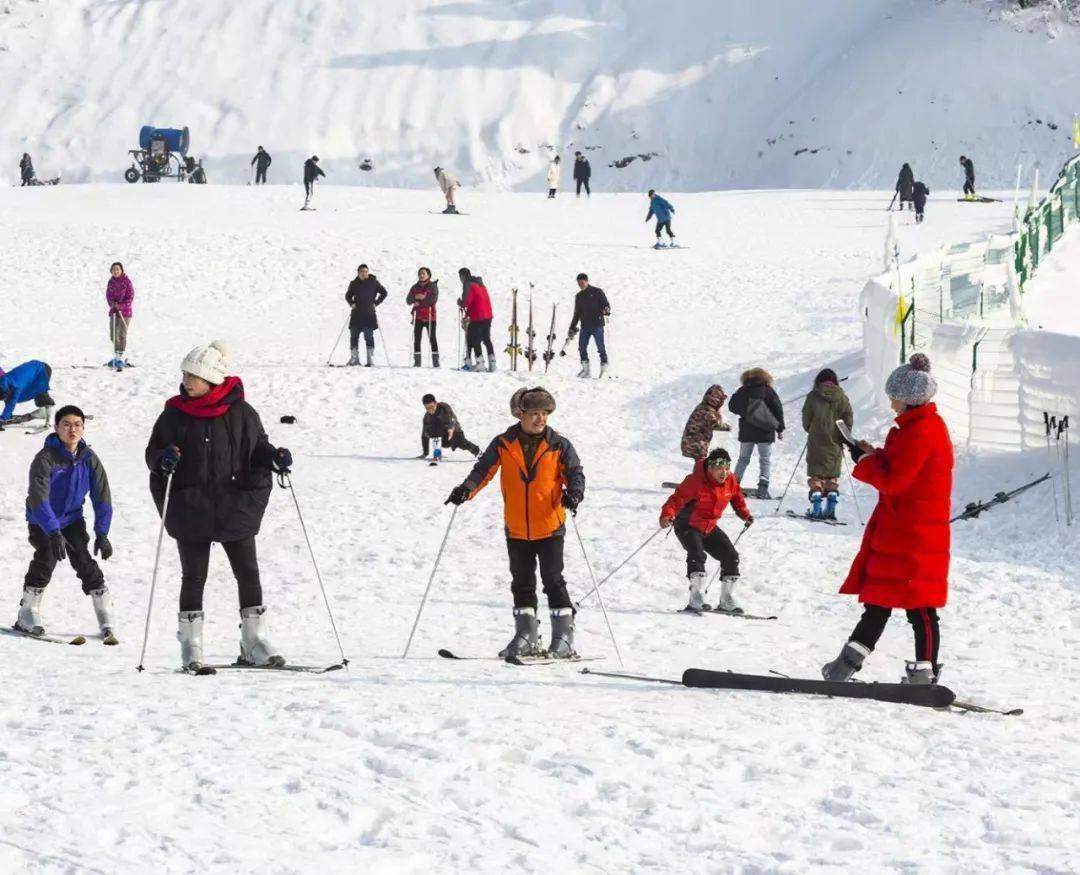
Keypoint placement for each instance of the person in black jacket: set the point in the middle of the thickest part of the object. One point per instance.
(262, 160)
(590, 307)
(904, 184)
(209, 452)
(441, 425)
(969, 177)
(312, 171)
(26, 169)
(919, 193)
(761, 421)
(582, 173)
(364, 295)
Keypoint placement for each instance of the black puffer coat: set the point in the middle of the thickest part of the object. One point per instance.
(364, 296)
(755, 402)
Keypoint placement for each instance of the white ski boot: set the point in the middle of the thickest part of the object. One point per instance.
(491, 364)
(603, 370)
(697, 594)
(727, 603)
(526, 640)
(255, 646)
(584, 372)
(354, 357)
(919, 673)
(849, 661)
(189, 634)
(103, 611)
(30, 617)
(467, 365)
(562, 634)
(370, 357)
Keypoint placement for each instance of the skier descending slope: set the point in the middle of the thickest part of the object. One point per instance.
(364, 294)
(662, 210)
(61, 476)
(695, 509)
(705, 419)
(541, 479)
(824, 405)
(441, 425)
(211, 442)
(119, 295)
(590, 308)
(904, 558)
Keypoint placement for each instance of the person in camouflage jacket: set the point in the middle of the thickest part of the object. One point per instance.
(706, 418)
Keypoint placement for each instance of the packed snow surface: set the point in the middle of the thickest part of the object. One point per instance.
(423, 765)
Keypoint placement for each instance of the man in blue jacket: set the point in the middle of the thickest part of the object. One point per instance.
(61, 475)
(27, 382)
(662, 210)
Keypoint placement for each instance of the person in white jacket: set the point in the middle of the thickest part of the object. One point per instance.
(447, 182)
(554, 171)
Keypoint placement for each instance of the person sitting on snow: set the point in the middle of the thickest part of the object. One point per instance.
(26, 382)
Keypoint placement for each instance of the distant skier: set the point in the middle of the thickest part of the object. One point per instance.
(904, 184)
(364, 294)
(448, 183)
(554, 171)
(541, 479)
(26, 382)
(761, 422)
(824, 405)
(26, 169)
(423, 297)
(662, 210)
(212, 443)
(969, 177)
(582, 173)
(61, 475)
(705, 419)
(441, 426)
(694, 508)
(476, 302)
(919, 194)
(119, 295)
(262, 161)
(312, 171)
(590, 308)
(904, 558)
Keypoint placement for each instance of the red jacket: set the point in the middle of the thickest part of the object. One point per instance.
(904, 558)
(709, 499)
(423, 298)
(475, 301)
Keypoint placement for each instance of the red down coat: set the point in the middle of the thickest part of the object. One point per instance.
(904, 558)
(709, 499)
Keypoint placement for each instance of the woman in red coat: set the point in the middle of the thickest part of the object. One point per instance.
(904, 558)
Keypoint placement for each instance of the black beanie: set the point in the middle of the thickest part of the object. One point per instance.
(428, 399)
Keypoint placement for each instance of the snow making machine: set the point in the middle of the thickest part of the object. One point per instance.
(163, 153)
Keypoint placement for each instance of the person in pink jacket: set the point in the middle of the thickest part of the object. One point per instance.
(119, 295)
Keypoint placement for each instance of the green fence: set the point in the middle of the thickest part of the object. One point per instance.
(1044, 223)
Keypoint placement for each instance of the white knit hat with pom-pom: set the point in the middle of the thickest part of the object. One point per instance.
(912, 383)
(207, 362)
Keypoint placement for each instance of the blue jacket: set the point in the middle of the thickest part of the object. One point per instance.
(660, 208)
(59, 481)
(24, 383)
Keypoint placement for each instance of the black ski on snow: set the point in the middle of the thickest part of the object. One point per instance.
(974, 508)
(515, 660)
(46, 637)
(719, 613)
(813, 519)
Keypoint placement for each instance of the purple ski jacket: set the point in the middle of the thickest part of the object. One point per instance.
(119, 295)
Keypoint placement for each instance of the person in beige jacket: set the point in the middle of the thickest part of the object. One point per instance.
(448, 183)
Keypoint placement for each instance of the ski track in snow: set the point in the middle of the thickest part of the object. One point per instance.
(426, 765)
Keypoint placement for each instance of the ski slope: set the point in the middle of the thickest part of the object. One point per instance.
(424, 765)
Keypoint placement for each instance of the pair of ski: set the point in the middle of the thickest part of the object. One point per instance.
(72, 640)
(514, 347)
(737, 615)
(542, 659)
(810, 518)
(205, 670)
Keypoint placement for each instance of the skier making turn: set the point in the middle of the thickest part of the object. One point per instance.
(662, 210)
(590, 308)
(441, 428)
(119, 295)
(364, 294)
(705, 419)
(541, 479)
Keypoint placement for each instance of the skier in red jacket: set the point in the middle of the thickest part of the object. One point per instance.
(476, 303)
(904, 558)
(694, 509)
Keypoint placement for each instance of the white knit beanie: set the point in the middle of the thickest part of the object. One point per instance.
(207, 362)
(912, 383)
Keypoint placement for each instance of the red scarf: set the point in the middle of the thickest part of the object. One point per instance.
(210, 405)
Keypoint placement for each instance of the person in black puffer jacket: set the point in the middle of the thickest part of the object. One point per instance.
(761, 421)
(209, 454)
(365, 293)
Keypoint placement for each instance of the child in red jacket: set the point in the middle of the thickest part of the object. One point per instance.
(694, 509)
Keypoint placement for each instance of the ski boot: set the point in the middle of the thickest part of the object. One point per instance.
(727, 604)
(849, 661)
(103, 611)
(526, 640)
(354, 357)
(491, 364)
(603, 369)
(434, 359)
(30, 618)
(815, 512)
(255, 646)
(672, 244)
(919, 673)
(467, 365)
(830, 505)
(658, 244)
(562, 634)
(763, 489)
(189, 634)
(697, 594)
(416, 360)
(370, 357)
(584, 372)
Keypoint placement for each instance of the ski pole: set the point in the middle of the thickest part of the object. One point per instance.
(734, 544)
(893, 201)
(1068, 479)
(340, 334)
(431, 580)
(794, 471)
(596, 589)
(854, 497)
(1049, 456)
(153, 577)
(318, 576)
(386, 352)
(617, 567)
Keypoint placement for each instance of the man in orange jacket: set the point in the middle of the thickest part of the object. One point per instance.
(541, 479)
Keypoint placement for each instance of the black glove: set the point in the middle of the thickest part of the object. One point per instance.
(749, 521)
(58, 546)
(282, 460)
(571, 499)
(170, 458)
(102, 546)
(458, 495)
(855, 452)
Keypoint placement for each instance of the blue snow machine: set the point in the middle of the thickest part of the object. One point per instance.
(163, 153)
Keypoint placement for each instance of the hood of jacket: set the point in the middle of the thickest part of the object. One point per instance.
(756, 377)
(715, 396)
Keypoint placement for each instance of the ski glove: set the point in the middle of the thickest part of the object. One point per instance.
(856, 453)
(170, 458)
(749, 521)
(282, 460)
(571, 499)
(102, 546)
(58, 546)
(458, 495)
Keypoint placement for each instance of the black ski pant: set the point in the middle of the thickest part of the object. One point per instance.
(664, 226)
(457, 442)
(920, 206)
(433, 340)
(260, 175)
(476, 334)
(195, 563)
(551, 193)
(309, 188)
(924, 623)
(524, 556)
(354, 337)
(583, 182)
(969, 185)
(43, 564)
(716, 544)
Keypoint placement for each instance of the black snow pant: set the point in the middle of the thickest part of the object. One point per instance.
(78, 553)
(309, 188)
(476, 334)
(920, 206)
(524, 556)
(369, 336)
(664, 226)
(924, 623)
(195, 563)
(716, 544)
(583, 182)
(457, 442)
(260, 175)
(969, 185)
(433, 340)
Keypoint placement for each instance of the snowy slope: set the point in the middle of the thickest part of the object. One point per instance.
(422, 765)
(835, 93)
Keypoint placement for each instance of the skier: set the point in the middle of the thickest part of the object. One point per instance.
(441, 425)
(262, 161)
(212, 443)
(61, 475)
(904, 558)
(582, 173)
(476, 303)
(824, 405)
(662, 210)
(26, 169)
(919, 193)
(554, 171)
(119, 295)
(694, 508)
(364, 294)
(26, 382)
(448, 183)
(969, 177)
(706, 418)
(761, 421)
(423, 297)
(541, 479)
(904, 183)
(590, 307)
(312, 171)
